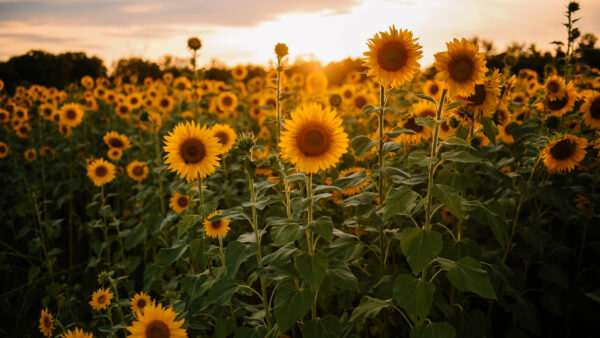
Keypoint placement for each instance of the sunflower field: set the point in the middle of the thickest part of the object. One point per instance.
(454, 202)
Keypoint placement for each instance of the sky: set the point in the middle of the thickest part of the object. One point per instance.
(245, 32)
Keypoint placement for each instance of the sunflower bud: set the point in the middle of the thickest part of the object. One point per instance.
(552, 122)
(281, 49)
(194, 43)
(573, 6)
(245, 141)
(103, 277)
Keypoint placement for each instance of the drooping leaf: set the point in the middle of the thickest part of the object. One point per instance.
(312, 267)
(399, 202)
(340, 275)
(420, 246)
(368, 308)
(291, 304)
(467, 275)
(322, 226)
(449, 199)
(414, 295)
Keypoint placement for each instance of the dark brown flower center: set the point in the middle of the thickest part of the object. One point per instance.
(71, 114)
(558, 104)
(411, 123)
(360, 101)
(427, 112)
(102, 298)
(141, 303)
(461, 69)
(115, 142)
(216, 225)
(445, 126)
(101, 171)
(392, 56)
(182, 202)
(347, 93)
(227, 101)
(553, 87)
(138, 171)
(47, 111)
(271, 102)
(123, 109)
(157, 329)
(595, 109)
(479, 96)
(563, 149)
(47, 322)
(164, 103)
(192, 151)
(2, 149)
(313, 140)
(223, 137)
(335, 100)
(23, 130)
(434, 89)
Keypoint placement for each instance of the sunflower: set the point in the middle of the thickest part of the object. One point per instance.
(179, 202)
(20, 114)
(115, 140)
(101, 298)
(239, 72)
(354, 76)
(137, 170)
(227, 101)
(564, 154)
(359, 100)
(226, 136)
(591, 111)
(47, 151)
(76, 333)
(461, 67)
(585, 205)
(46, 110)
(134, 100)
(167, 77)
(316, 82)
(4, 116)
(192, 151)
(30, 155)
(447, 214)
(71, 114)
(349, 191)
(504, 132)
(3, 149)
(157, 322)
(216, 228)
(410, 122)
(139, 301)
(557, 106)
(483, 102)
(433, 88)
(165, 104)
(114, 154)
(46, 323)
(393, 57)
(87, 81)
(22, 130)
(555, 87)
(182, 83)
(313, 138)
(101, 171)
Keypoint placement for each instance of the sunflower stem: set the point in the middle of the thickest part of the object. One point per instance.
(160, 175)
(431, 169)
(105, 228)
(222, 254)
(309, 218)
(381, 121)
(201, 195)
(278, 104)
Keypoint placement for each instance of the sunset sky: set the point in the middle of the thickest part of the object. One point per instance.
(238, 31)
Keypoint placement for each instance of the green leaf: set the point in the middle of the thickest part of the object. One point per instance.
(398, 131)
(135, 236)
(322, 226)
(467, 275)
(185, 223)
(595, 295)
(198, 249)
(365, 197)
(397, 91)
(235, 254)
(450, 199)
(426, 121)
(457, 141)
(484, 216)
(454, 105)
(221, 291)
(368, 109)
(389, 147)
(368, 308)
(489, 130)
(414, 295)
(433, 330)
(168, 256)
(420, 247)
(326, 327)
(312, 267)
(351, 181)
(291, 304)
(340, 275)
(286, 234)
(460, 156)
(362, 144)
(420, 159)
(425, 97)
(399, 202)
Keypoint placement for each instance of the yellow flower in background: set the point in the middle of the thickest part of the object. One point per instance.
(139, 301)
(101, 299)
(227, 101)
(316, 82)
(226, 136)
(87, 82)
(157, 321)
(564, 154)
(555, 87)
(76, 333)
(216, 228)
(30, 155)
(239, 72)
(46, 323)
(3, 149)
(101, 171)
(461, 67)
(114, 154)
(71, 114)
(116, 140)
(137, 170)
(393, 57)
(179, 202)
(192, 151)
(313, 138)
(591, 111)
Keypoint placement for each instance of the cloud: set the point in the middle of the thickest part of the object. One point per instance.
(203, 12)
(33, 38)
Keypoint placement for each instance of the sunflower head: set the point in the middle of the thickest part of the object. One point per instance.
(226, 136)
(591, 111)
(239, 72)
(101, 299)
(179, 202)
(313, 138)
(281, 50)
(101, 171)
(30, 155)
(76, 333)
(393, 56)
(157, 321)
(461, 67)
(137, 170)
(3, 149)
(353, 190)
(564, 153)
(194, 43)
(316, 82)
(71, 114)
(216, 227)
(46, 323)
(139, 301)
(192, 151)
